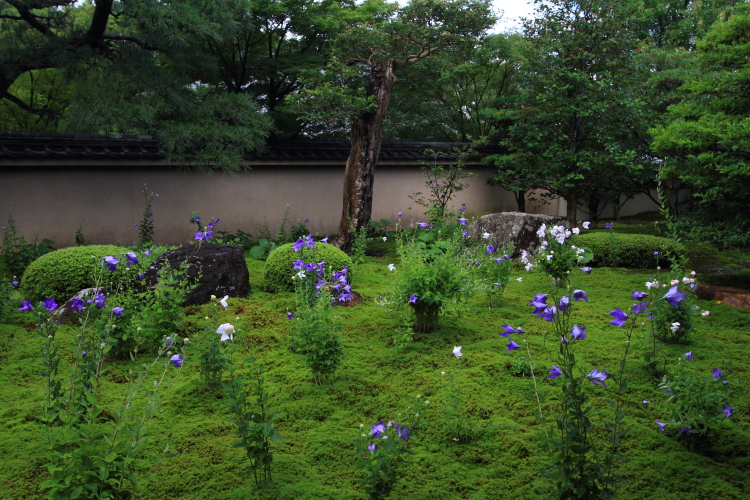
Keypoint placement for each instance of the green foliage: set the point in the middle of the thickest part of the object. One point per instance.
(16, 254)
(63, 273)
(457, 425)
(254, 422)
(315, 339)
(698, 403)
(134, 72)
(576, 122)
(359, 245)
(380, 460)
(493, 272)
(521, 367)
(279, 273)
(146, 228)
(705, 135)
(92, 451)
(443, 182)
(436, 271)
(263, 249)
(153, 313)
(635, 250)
(81, 240)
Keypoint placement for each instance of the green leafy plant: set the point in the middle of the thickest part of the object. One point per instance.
(254, 422)
(381, 450)
(16, 254)
(433, 274)
(92, 452)
(146, 227)
(263, 249)
(698, 404)
(443, 182)
(80, 238)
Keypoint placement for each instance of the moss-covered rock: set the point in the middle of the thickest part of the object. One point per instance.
(628, 250)
(63, 273)
(279, 272)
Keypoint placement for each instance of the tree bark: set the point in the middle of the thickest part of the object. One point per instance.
(521, 200)
(366, 137)
(572, 208)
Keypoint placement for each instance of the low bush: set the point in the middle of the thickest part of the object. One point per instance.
(631, 250)
(279, 271)
(63, 273)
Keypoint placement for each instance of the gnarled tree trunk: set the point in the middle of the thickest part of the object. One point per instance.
(366, 134)
(572, 210)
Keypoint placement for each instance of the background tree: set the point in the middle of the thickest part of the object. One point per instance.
(357, 85)
(128, 68)
(577, 113)
(446, 97)
(706, 137)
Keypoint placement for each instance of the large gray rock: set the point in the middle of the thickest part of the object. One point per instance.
(222, 269)
(516, 228)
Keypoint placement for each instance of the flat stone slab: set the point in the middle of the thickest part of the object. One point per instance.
(516, 228)
(732, 297)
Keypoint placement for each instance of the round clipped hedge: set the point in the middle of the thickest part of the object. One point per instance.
(63, 273)
(279, 271)
(628, 250)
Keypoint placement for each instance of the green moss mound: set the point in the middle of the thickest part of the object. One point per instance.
(279, 272)
(63, 273)
(628, 250)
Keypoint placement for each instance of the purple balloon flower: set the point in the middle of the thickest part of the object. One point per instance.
(413, 299)
(639, 295)
(99, 299)
(689, 355)
(597, 377)
(512, 346)
(674, 297)
(661, 426)
(176, 360)
(423, 225)
(198, 236)
(579, 295)
(372, 447)
(620, 317)
(402, 431)
(608, 225)
(110, 262)
(50, 304)
(298, 245)
(717, 373)
(578, 332)
(554, 372)
(462, 221)
(586, 270)
(117, 311)
(640, 307)
(728, 410)
(77, 304)
(564, 303)
(549, 313)
(508, 330)
(378, 430)
(490, 249)
(132, 258)
(400, 214)
(298, 264)
(25, 306)
(15, 283)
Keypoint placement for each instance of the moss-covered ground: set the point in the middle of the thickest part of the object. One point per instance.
(319, 424)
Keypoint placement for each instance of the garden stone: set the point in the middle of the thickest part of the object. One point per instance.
(66, 311)
(516, 228)
(222, 269)
(732, 297)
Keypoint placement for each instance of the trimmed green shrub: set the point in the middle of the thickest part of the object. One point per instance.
(279, 272)
(63, 273)
(629, 250)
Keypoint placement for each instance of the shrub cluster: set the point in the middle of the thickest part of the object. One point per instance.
(279, 272)
(63, 273)
(633, 250)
